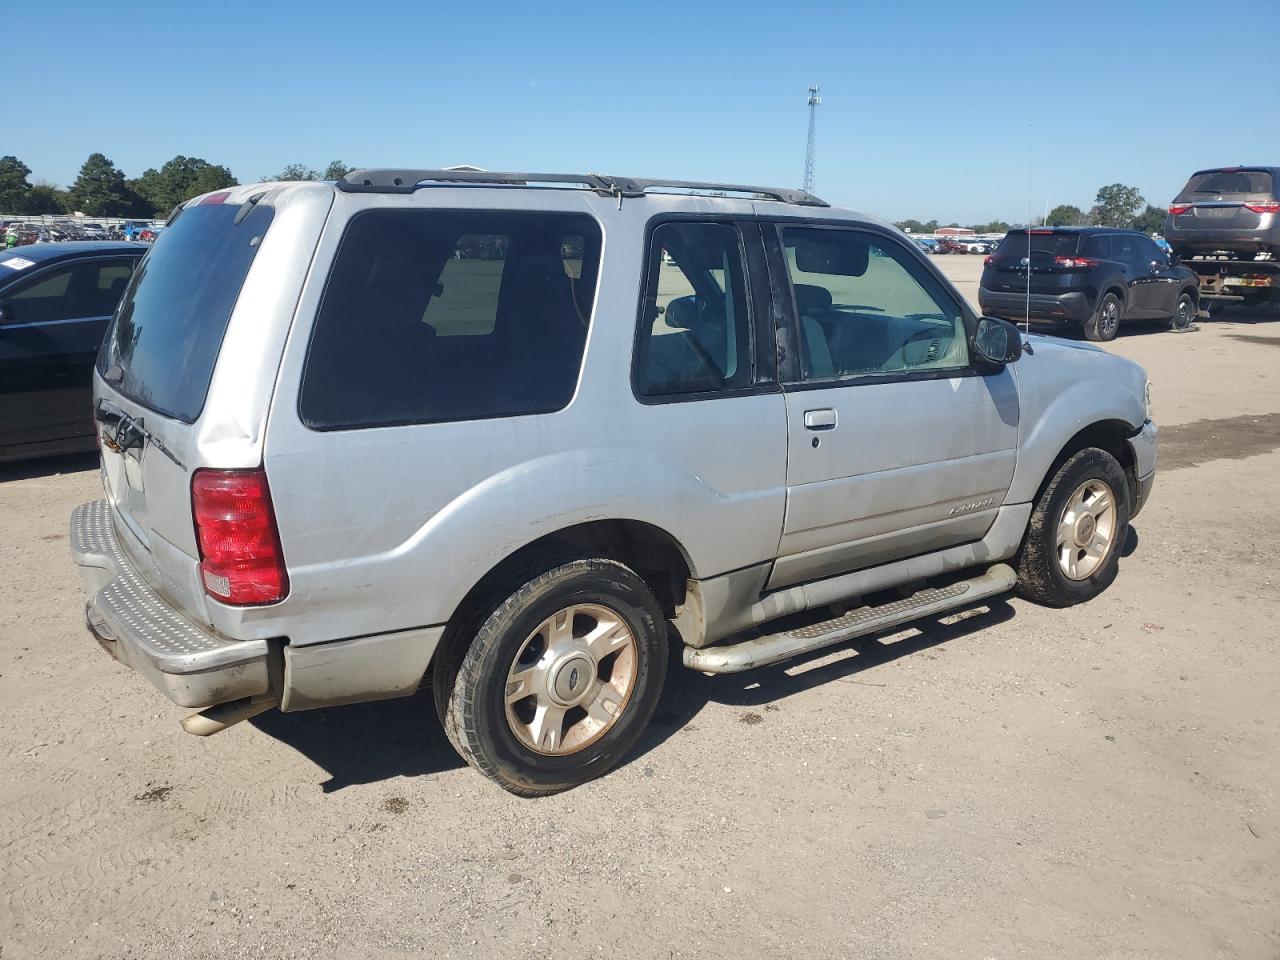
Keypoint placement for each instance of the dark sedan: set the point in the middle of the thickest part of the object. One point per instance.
(56, 300)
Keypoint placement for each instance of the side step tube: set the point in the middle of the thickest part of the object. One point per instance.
(736, 657)
(217, 718)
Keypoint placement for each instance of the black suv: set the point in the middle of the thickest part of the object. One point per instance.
(1233, 210)
(1093, 277)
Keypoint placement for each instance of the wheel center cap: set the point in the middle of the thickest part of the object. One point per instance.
(572, 679)
(1085, 528)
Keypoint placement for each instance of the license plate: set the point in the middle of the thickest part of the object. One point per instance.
(1215, 213)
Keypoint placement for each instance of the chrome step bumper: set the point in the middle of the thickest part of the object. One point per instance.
(736, 657)
(192, 666)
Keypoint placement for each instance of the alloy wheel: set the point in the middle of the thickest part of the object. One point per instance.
(571, 679)
(1086, 529)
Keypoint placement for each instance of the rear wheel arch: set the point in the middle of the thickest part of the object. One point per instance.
(655, 555)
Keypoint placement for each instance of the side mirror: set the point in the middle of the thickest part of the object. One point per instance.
(997, 341)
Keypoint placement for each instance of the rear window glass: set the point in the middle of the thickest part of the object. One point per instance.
(164, 342)
(1050, 244)
(1221, 182)
(432, 316)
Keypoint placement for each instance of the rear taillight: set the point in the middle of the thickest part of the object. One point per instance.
(988, 261)
(1072, 262)
(241, 562)
(1178, 209)
(1265, 206)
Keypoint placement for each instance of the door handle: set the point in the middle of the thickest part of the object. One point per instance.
(824, 419)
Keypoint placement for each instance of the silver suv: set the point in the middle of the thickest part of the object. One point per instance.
(512, 435)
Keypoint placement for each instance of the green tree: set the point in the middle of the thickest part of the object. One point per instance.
(47, 198)
(995, 226)
(1065, 215)
(296, 171)
(336, 170)
(181, 179)
(101, 191)
(916, 226)
(1151, 220)
(14, 189)
(1116, 205)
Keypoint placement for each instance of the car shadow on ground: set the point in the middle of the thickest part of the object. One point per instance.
(687, 691)
(370, 742)
(367, 742)
(48, 466)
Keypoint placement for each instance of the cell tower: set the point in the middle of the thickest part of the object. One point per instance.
(814, 101)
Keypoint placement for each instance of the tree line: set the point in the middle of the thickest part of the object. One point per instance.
(1116, 205)
(102, 190)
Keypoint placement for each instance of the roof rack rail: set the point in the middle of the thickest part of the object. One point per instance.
(407, 181)
(632, 186)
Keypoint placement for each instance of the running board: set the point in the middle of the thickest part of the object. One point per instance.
(736, 657)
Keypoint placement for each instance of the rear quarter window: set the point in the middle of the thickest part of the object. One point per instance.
(432, 316)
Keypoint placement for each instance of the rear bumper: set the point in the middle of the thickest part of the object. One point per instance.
(1186, 242)
(187, 663)
(1144, 445)
(195, 667)
(1071, 307)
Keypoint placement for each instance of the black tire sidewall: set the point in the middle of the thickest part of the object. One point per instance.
(499, 640)
(1086, 465)
(1174, 323)
(1093, 326)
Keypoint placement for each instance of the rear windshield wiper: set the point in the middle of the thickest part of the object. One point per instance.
(128, 432)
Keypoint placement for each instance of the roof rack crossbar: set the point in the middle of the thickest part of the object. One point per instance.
(407, 181)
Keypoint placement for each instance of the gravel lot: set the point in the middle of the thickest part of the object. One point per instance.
(1011, 782)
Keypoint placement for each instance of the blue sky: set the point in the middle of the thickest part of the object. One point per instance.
(964, 110)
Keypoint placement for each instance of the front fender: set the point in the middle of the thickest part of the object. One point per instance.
(1066, 387)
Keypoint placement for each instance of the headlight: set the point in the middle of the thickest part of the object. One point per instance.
(1148, 399)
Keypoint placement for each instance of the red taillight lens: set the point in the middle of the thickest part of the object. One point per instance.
(1178, 209)
(241, 562)
(1072, 262)
(988, 261)
(1265, 206)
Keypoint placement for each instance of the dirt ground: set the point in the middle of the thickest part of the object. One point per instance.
(1013, 782)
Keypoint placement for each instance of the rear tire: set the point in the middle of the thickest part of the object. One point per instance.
(1071, 551)
(1105, 322)
(560, 679)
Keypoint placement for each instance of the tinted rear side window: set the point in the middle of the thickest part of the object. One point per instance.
(1227, 182)
(1042, 242)
(431, 316)
(164, 342)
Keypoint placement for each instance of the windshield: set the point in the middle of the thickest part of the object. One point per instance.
(1225, 182)
(1042, 241)
(164, 341)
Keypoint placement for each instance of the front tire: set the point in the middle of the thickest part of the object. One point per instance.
(560, 680)
(1184, 313)
(1071, 552)
(1105, 322)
